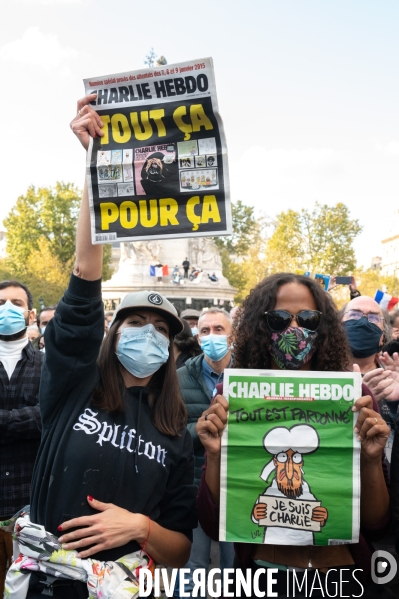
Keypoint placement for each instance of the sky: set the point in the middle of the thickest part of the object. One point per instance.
(308, 91)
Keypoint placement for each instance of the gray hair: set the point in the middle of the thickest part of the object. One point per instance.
(216, 311)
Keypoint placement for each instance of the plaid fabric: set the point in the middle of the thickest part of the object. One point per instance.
(20, 430)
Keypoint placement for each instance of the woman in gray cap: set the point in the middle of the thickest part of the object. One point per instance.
(115, 469)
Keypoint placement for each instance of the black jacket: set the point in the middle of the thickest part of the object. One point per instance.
(86, 451)
(20, 430)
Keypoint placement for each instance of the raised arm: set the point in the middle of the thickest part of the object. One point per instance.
(89, 257)
(373, 433)
(74, 335)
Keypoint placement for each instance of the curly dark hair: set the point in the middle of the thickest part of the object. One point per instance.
(252, 334)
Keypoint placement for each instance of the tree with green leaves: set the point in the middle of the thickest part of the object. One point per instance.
(245, 230)
(41, 230)
(42, 213)
(240, 251)
(318, 240)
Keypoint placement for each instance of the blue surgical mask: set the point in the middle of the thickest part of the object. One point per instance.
(12, 319)
(42, 330)
(194, 331)
(143, 350)
(215, 347)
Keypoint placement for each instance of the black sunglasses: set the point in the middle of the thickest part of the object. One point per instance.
(279, 320)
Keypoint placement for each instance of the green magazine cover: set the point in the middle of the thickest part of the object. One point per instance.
(290, 465)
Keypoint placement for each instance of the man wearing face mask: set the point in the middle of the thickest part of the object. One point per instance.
(20, 430)
(192, 317)
(367, 330)
(197, 380)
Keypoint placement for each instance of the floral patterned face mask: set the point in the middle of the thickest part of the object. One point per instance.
(293, 347)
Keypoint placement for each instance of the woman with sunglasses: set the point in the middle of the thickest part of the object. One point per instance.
(287, 304)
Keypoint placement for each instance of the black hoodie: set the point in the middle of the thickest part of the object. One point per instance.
(87, 451)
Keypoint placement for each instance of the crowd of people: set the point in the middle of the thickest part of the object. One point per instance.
(111, 426)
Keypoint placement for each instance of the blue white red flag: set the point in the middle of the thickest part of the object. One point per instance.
(386, 301)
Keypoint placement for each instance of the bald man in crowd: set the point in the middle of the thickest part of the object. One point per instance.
(367, 330)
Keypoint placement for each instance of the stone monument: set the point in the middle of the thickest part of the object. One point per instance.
(141, 264)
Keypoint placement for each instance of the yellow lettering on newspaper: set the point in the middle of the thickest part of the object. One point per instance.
(109, 214)
(210, 211)
(185, 127)
(168, 209)
(156, 116)
(148, 212)
(140, 125)
(128, 214)
(121, 132)
(198, 120)
(144, 220)
(143, 131)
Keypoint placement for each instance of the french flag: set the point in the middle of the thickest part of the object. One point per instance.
(386, 301)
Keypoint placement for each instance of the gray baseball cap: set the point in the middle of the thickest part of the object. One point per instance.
(150, 300)
(190, 313)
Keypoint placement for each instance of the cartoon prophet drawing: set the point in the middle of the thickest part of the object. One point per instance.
(287, 447)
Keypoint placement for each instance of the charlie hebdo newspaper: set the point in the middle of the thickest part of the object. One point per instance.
(160, 170)
(290, 469)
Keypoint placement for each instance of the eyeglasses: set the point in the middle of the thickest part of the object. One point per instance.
(358, 314)
(279, 320)
(282, 457)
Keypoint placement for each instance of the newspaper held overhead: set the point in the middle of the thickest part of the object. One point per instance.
(160, 170)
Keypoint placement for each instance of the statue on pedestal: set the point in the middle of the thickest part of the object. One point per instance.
(204, 253)
(140, 251)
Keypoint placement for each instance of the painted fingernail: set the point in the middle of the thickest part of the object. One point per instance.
(59, 527)
(95, 135)
(90, 498)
